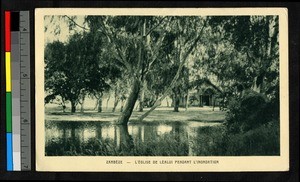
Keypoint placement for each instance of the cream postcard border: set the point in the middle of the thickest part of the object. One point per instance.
(98, 163)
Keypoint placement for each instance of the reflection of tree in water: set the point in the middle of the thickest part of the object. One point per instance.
(68, 141)
(181, 139)
(79, 138)
(95, 138)
(123, 140)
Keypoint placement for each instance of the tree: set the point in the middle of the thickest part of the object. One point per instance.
(120, 90)
(135, 43)
(54, 78)
(164, 71)
(130, 40)
(103, 72)
(247, 67)
(75, 69)
(253, 59)
(192, 28)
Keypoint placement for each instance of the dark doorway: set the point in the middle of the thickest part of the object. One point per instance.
(205, 100)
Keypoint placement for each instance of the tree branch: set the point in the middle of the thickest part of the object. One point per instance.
(75, 22)
(155, 53)
(174, 81)
(110, 36)
(153, 28)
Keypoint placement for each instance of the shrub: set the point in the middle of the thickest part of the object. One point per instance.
(263, 140)
(249, 112)
(217, 141)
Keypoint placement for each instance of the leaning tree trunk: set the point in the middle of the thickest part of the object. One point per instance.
(129, 106)
(136, 85)
(122, 135)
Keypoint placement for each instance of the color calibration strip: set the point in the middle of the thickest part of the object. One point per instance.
(17, 63)
(9, 149)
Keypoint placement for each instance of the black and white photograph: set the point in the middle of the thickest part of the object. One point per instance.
(196, 85)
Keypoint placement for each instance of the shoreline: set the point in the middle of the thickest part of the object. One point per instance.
(193, 115)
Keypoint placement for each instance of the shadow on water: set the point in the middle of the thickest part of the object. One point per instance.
(92, 138)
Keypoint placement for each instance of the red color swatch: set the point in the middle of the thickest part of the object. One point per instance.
(7, 31)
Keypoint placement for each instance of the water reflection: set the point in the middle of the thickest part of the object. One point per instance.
(101, 138)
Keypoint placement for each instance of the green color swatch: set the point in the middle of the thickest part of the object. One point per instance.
(8, 112)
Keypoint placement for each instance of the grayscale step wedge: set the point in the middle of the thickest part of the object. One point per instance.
(25, 102)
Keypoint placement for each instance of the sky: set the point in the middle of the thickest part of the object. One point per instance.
(53, 23)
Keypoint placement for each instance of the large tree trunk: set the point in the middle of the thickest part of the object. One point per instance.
(133, 96)
(125, 143)
(73, 107)
(138, 79)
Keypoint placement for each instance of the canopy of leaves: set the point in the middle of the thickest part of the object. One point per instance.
(242, 51)
(77, 67)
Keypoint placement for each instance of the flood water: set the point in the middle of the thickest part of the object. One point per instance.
(93, 138)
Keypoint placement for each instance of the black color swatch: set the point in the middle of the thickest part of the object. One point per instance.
(15, 21)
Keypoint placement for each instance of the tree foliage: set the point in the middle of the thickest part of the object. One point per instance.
(77, 68)
(163, 56)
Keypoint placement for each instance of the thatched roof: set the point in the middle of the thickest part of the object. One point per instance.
(205, 82)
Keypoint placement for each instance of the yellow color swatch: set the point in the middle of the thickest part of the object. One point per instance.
(8, 71)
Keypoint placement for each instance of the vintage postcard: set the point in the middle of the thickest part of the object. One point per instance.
(161, 89)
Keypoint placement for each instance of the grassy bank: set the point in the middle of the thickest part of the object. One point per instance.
(215, 141)
(204, 114)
